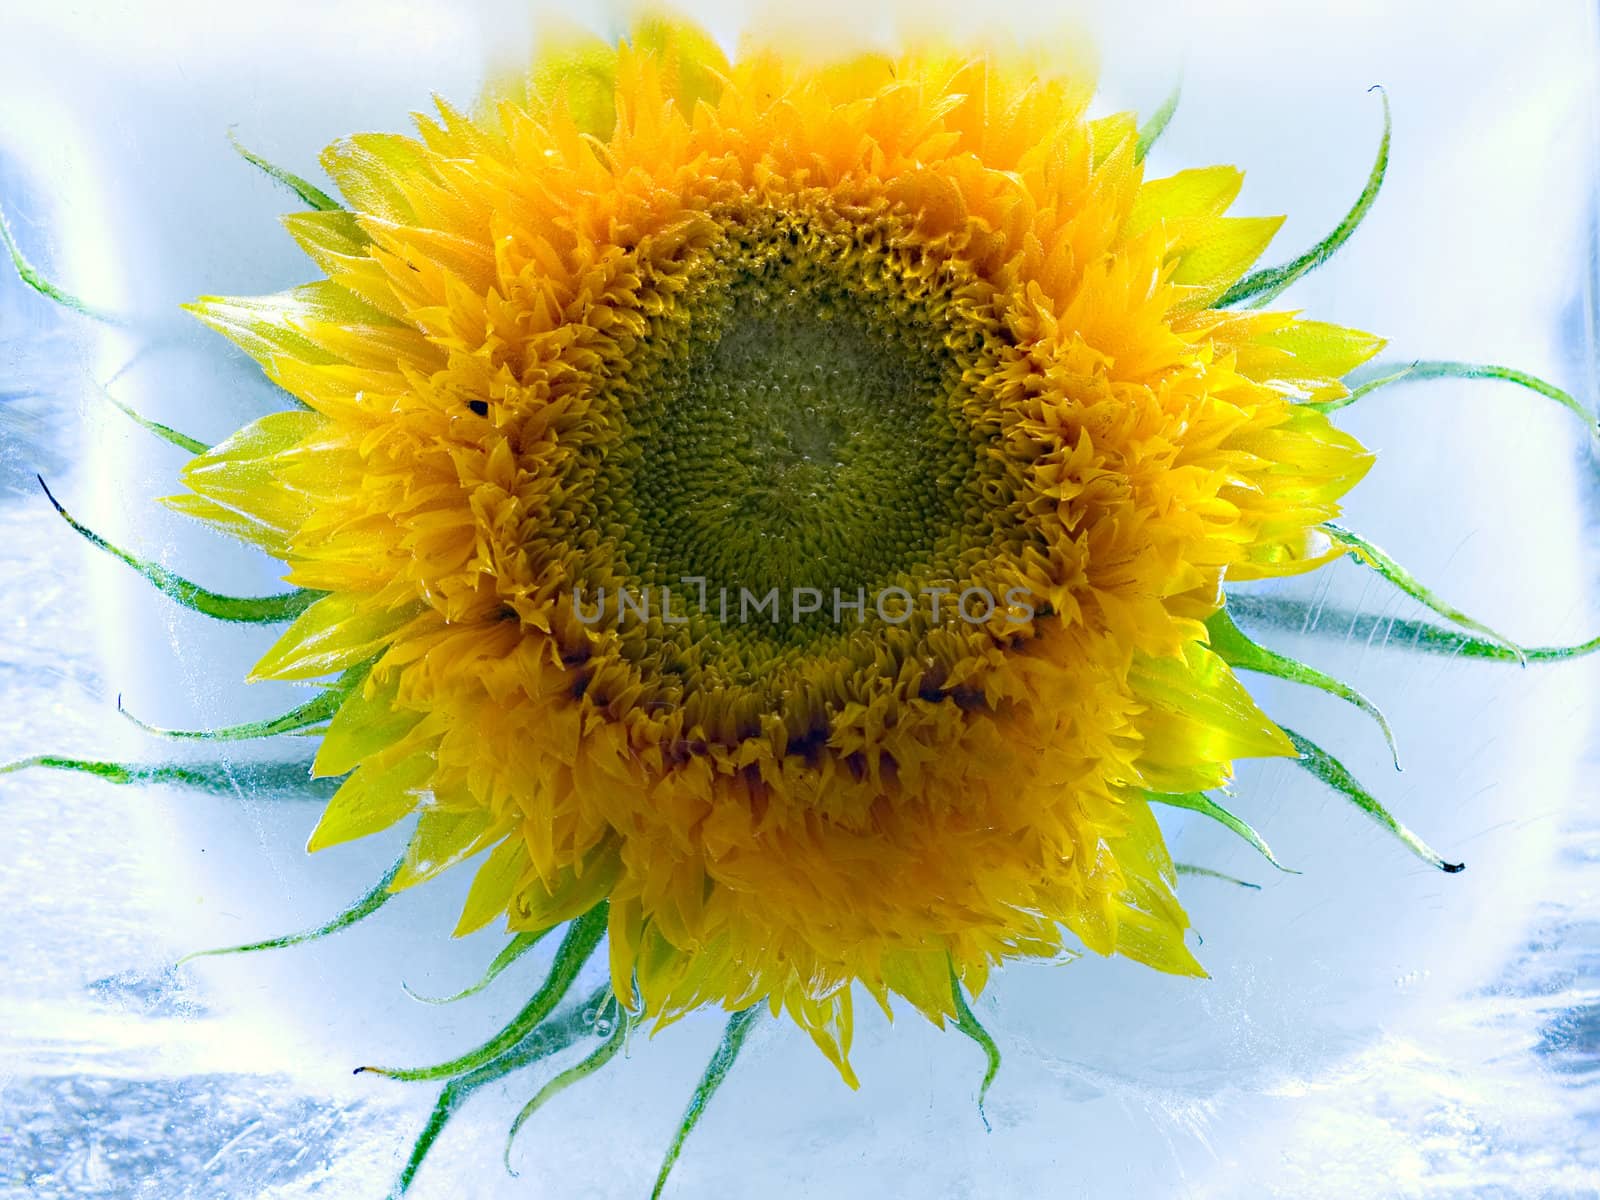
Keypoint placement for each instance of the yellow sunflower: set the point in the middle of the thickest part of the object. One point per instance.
(892, 330)
(777, 513)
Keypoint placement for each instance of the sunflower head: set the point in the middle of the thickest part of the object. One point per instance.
(785, 502)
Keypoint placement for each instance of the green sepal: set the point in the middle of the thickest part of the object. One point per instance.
(1150, 132)
(248, 610)
(967, 1022)
(582, 936)
(1236, 649)
(599, 1057)
(733, 1036)
(305, 716)
(1423, 369)
(217, 778)
(307, 191)
(1263, 286)
(165, 432)
(1375, 558)
(1207, 873)
(370, 902)
(29, 274)
(1200, 803)
(513, 950)
(549, 1038)
(1303, 617)
(1337, 776)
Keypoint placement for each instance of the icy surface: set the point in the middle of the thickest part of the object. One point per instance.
(1371, 1028)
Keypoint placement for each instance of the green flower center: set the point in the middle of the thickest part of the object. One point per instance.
(796, 446)
(798, 421)
(791, 439)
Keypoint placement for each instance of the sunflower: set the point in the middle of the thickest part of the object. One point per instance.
(892, 332)
(776, 515)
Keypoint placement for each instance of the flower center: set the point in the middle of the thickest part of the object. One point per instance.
(798, 445)
(794, 443)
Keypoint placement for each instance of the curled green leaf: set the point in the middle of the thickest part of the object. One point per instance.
(1200, 803)
(1375, 558)
(1423, 369)
(370, 902)
(1263, 286)
(309, 192)
(1236, 649)
(733, 1036)
(249, 610)
(302, 717)
(619, 1022)
(219, 778)
(582, 936)
(165, 432)
(1332, 772)
(550, 1037)
(1150, 132)
(515, 949)
(967, 1022)
(29, 274)
(1208, 873)
(1299, 616)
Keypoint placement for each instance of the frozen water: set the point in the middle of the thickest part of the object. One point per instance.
(1371, 1028)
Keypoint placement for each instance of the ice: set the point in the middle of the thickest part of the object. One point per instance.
(1370, 1028)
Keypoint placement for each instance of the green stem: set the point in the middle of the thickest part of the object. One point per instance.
(1381, 562)
(1238, 650)
(165, 432)
(1200, 803)
(1208, 873)
(304, 716)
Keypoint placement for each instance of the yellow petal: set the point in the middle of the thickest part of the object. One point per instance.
(923, 978)
(692, 64)
(336, 632)
(238, 474)
(234, 524)
(374, 798)
(443, 838)
(1222, 253)
(831, 1023)
(366, 724)
(1201, 192)
(493, 886)
(1198, 719)
(369, 169)
(1307, 352)
(571, 893)
(336, 242)
(1150, 921)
